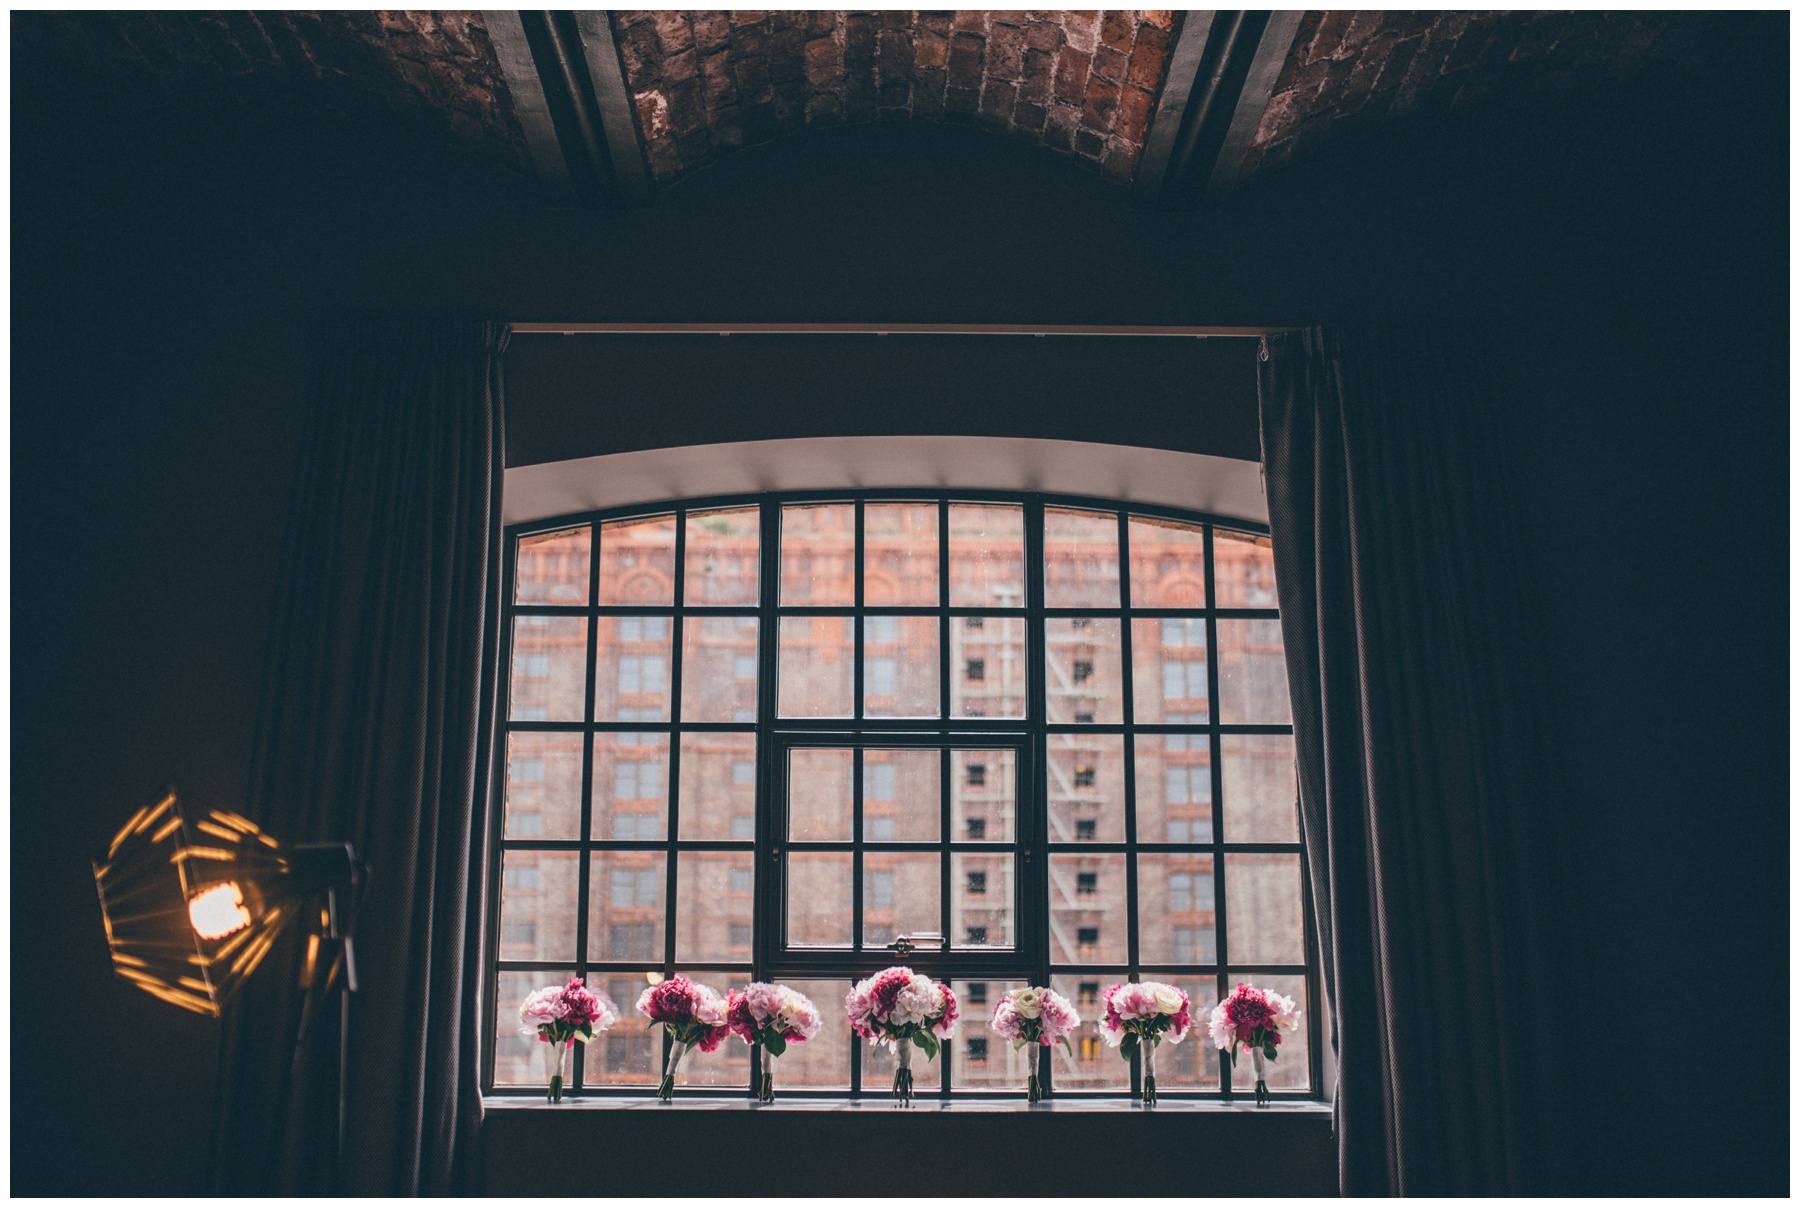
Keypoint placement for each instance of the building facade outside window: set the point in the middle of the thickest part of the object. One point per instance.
(1046, 741)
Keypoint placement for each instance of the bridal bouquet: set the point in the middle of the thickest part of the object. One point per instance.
(899, 1008)
(773, 1017)
(691, 1014)
(1139, 1016)
(1037, 1016)
(1255, 1018)
(561, 1015)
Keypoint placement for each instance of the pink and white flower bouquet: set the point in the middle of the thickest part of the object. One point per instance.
(900, 1008)
(773, 1017)
(1140, 1016)
(692, 1014)
(1037, 1016)
(1257, 1019)
(561, 1015)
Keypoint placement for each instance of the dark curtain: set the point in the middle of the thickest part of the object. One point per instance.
(1424, 768)
(375, 728)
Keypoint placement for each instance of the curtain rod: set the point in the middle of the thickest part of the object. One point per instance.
(883, 329)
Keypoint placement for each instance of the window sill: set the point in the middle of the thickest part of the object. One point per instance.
(971, 1106)
(799, 1146)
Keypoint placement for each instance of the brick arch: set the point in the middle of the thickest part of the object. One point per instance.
(1082, 83)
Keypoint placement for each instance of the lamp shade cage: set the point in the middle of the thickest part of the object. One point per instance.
(193, 906)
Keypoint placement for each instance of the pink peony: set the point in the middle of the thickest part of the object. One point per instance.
(1154, 1010)
(582, 1005)
(541, 1007)
(692, 1014)
(898, 1003)
(1251, 1016)
(1059, 1017)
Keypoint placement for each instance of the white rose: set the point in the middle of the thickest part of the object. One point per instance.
(1168, 998)
(1028, 1003)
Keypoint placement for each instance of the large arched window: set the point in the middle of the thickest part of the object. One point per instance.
(1043, 739)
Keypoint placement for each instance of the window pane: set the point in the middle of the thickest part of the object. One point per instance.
(712, 650)
(987, 556)
(1168, 564)
(900, 670)
(625, 906)
(814, 679)
(549, 682)
(727, 1066)
(981, 901)
(631, 668)
(1192, 1065)
(984, 795)
(718, 799)
(900, 897)
(991, 1065)
(1261, 797)
(1087, 910)
(713, 910)
(820, 807)
(1092, 1066)
(1174, 788)
(818, 554)
(1087, 788)
(1253, 687)
(1168, 670)
(1081, 559)
(631, 786)
(904, 787)
(818, 899)
(630, 1054)
(987, 667)
(1290, 1070)
(537, 906)
(637, 561)
(523, 1060)
(822, 1063)
(1246, 570)
(1175, 910)
(900, 553)
(543, 786)
(1262, 909)
(722, 562)
(553, 568)
(1082, 668)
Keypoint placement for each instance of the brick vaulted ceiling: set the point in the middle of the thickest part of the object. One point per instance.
(1079, 82)
(1170, 103)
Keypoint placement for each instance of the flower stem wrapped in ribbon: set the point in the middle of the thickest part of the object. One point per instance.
(1036, 1016)
(900, 1008)
(693, 1015)
(1257, 1019)
(1141, 1015)
(773, 1017)
(561, 1015)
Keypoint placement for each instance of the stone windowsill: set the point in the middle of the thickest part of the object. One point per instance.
(796, 1103)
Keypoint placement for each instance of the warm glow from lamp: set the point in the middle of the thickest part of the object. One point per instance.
(219, 911)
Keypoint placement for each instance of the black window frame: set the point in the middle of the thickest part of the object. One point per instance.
(1029, 961)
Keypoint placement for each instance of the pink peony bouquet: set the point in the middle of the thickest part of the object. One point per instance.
(1257, 1019)
(693, 1015)
(561, 1015)
(1037, 1016)
(900, 1008)
(1141, 1015)
(773, 1017)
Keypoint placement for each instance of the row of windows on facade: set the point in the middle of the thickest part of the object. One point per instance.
(640, 942)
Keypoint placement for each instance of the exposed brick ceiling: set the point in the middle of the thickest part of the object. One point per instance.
(1079, 82)
(434, 71)
(1350, 70)
(1083, 84)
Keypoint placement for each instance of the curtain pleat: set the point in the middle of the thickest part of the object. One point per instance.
(375, 727)
(1426, 785)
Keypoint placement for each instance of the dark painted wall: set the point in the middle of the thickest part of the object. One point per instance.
(1631, 264)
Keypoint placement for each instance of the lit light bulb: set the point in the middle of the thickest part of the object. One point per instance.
(219, 911)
